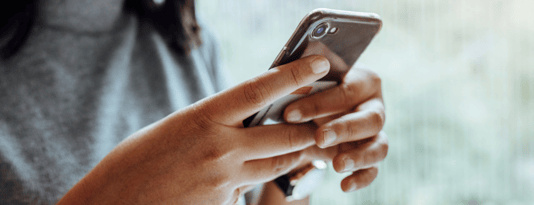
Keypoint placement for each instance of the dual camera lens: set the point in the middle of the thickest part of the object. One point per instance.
(322, 29)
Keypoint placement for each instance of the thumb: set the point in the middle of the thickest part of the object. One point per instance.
(231, 106)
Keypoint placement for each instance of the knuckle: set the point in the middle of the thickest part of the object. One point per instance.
(256, 92)
(203, 118)
(217, 178)
(315, 110)
(374, 77)
(291, 138)
(220, 181)
(217, 153)
(367, 159)
(203, 123)
(384, 145)
(277, 165)
(295, 157)
(348, 93)
(346, 127)
(340, 160)
(213, 155)
(359, 159)
(282, 163)
(378, 118)
(296, 75)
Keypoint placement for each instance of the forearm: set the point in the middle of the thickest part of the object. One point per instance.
(92, 189)
(272, 195)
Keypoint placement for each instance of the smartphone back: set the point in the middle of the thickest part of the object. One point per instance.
(340, 36)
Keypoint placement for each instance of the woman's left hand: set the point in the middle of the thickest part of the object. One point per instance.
(350, 119)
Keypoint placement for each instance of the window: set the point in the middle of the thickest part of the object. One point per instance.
(458, 81)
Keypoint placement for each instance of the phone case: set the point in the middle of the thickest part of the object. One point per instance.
(340, 36)
(355, 30)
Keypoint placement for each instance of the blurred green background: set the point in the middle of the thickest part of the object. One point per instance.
(458, 81)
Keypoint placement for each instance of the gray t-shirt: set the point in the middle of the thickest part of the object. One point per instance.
(69, 97)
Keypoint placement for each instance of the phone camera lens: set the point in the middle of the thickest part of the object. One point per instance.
(320, 30)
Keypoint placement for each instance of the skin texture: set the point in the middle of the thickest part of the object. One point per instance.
(201, 154)
(354, 111)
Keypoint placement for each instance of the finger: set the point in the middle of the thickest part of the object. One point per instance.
(239, 192)
(245, 189)
(324, 120)
(359, 179)
(356, 156)
(264, 170)
(235, 196)
(358, 86)
(367, 121)
(243, 100)
(316, 153)
(273, 140)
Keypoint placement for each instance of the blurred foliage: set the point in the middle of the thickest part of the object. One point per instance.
(458, 81)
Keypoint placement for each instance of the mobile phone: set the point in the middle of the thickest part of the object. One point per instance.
(340, 36)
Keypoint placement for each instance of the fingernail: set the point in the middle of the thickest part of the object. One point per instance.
(329, 137)
(319, 65)
(349, 164)
(294, 116)
(353, 186)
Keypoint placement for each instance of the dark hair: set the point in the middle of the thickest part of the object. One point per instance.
(175, 20)
(16, 20)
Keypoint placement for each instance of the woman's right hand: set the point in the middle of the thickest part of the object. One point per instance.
(202, 154)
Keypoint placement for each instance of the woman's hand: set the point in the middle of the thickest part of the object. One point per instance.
(201, 154)
(350, 119)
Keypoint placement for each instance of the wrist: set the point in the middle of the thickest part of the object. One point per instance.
(111, 181)
(96, 188)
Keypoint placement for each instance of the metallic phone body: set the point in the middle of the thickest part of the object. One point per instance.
(342, 47)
